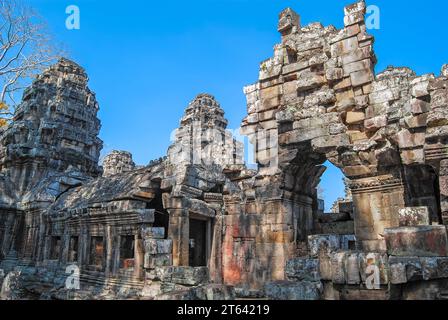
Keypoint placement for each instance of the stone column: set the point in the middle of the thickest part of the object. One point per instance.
(65, 243)
(376, 202)
(443, 182)
(109, 249)
(83, 245)
(139, 256)
(215, 263)
(179, 232)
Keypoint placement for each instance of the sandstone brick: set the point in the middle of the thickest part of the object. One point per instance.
(414, 216)
(425, 241)
(355, 117)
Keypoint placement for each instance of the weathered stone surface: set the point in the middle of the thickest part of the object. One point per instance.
(117, 162)
(434, 267)
(158, 246)
(342, 227)
(189, 276)
(150, 232)
(302, 269)
(415, 216)
(317, 99)
(157, 260)
(323, 243)
(288, 290)
(404, 269)
(214, 292)
(425, 241)
(338, 266)
(444, 71)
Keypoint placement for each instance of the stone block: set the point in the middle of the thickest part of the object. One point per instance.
(154, 233)
(412, 156)
(158, 246)
(352, 269)
(354, 18)
(406, 139)
(344, 46)
(417, 121)
(288, 290)
(341, 227)
(355, 117)
(323, 243)
(325, 268)
(414, 216)
(361, 77)
(404, 269)
(425, 290)
(338, 265)
(334, 74)
(214, 292)
(419, 106)
(157, 260)
(189, 276)
(359, 6)
(434, 267)
(376, 122)
(357, 55)
(302, 269)
(146, 215)
(349, 68)
(326, 143)
(270, 92)
(439, 98)
(444, 71)
(425, 241)
(309, 80)
(420, 88)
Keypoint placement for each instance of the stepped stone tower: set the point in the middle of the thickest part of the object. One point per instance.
(55, 129)
(117, 162)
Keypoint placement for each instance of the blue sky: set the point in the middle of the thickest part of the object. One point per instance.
(147, 59)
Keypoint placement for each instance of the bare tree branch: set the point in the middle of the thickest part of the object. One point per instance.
(25, 50)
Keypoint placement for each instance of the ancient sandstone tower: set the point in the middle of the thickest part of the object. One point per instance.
(199, 224)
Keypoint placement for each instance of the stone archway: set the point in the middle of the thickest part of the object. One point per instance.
(327, 103)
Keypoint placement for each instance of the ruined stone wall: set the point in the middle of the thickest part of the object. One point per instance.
(319, 94)
(317, 99)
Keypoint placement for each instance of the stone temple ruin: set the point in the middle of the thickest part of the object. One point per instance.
(198, 224)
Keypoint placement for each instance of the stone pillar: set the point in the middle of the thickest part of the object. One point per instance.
(65, 243)
(139, 257)
(376, 202)
(109, 250)
(443, 182)
(215, 263)
(115, 262)
(178, 231)
(83, 245)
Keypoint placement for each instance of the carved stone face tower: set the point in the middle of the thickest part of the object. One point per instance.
(55, 129)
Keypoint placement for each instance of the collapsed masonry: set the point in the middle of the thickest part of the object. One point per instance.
(199, 225)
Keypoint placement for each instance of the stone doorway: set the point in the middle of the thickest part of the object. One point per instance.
(198, 243)
(423, 190)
